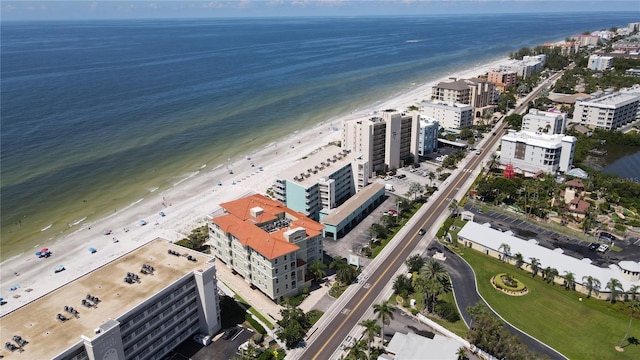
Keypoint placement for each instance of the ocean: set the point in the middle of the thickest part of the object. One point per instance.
(98, 114)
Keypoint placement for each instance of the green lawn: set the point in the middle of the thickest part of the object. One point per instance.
(587, 329)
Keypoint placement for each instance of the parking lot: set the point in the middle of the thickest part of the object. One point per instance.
(550, 239)
(219, 349)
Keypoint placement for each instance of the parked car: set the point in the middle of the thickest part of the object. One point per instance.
(202, 339)
(603, 248)
(401, 176)
(230, 333)
(594, 246)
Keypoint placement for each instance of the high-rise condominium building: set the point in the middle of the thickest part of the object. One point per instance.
(266, 243)
(449, 115)
(607, 112)
(530, 152)
(600, 63)
(322, 181)
(478, 93)
(387, 140)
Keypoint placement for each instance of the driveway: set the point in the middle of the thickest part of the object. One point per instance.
(463, 281)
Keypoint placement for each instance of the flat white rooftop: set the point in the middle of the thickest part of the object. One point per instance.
(37, 323)
(492, 239)
(538, 139)
(322, 163)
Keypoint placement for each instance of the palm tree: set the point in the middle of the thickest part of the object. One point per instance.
(462, 353)
(453, 207)
(506, 251)
(550, 274)
(633, 290)
(535, 266)
(358, 351)
(344, 272)
(415, 262)
(385, 314)
(592, 284)
(615, 286)
(371, 329)
(634, 306)
(317, 270)
(493, 161)
(414, 189)
(519, 260)
(569, 280)
(433, 269)
(432, 176)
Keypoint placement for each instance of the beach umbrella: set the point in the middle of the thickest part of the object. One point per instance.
(38, 253)
(1, 299)
(92, 250)
(44, 250)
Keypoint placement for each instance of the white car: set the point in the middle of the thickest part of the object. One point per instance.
(202, 339)
(603, 248)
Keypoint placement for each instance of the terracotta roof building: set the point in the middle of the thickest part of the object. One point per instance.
(266, 243)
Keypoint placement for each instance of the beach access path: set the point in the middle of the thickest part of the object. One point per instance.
(186, 205)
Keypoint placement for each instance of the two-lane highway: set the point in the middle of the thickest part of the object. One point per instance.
(337, 330)
(333, 333)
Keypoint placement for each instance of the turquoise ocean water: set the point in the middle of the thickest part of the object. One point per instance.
(96, 115)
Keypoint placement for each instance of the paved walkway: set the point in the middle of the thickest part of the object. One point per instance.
(317, 299)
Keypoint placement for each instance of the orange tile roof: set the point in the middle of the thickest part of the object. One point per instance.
(575, 183)
(242, 225)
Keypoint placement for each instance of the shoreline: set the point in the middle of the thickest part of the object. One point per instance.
(187, 202)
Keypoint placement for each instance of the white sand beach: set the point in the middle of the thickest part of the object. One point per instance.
(186, 206)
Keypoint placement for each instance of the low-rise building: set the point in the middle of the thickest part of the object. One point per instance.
(341, 220)
(571, 196)
(169, 294)
(449, 115)
(323, 180)
(428, 138)
(412, 346)
(608, 112)
(599, 62)
(490, 241)
(386, 140)
(531, 152)
(548, 122)
(266, 243)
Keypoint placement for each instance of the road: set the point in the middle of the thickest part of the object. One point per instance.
(463, 281)
(338, 329)
(332, 335)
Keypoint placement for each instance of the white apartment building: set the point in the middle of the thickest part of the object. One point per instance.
(174, 297)
(428, 138)
(266, 243)
(599, 62)
(322, 181)
(480, 94)
(530, 152)
(607, 112)
(387, 140)
(526, 67)
(450, 115)
(548, 122)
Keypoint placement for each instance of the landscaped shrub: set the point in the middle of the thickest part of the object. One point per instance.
(447, 311)
(254, 324)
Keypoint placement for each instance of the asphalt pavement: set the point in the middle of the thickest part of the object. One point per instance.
(463, 280)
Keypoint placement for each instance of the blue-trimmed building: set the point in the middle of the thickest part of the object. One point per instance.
(322, 181)
(341, 220)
